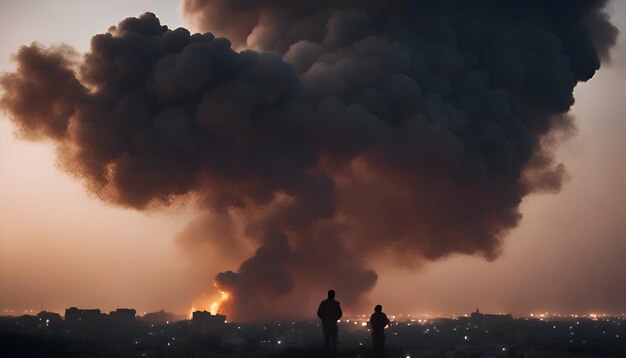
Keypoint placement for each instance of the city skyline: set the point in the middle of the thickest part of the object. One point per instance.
(124, 333)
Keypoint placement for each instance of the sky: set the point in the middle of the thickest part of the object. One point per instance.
(61, 246)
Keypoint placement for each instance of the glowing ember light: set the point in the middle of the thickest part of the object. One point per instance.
(215, 306)
(210, 303)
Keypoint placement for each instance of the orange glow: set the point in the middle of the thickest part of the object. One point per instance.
(209, 303)
(215, 306)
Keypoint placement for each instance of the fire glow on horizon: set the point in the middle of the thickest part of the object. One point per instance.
(215, 306)
(211, 303)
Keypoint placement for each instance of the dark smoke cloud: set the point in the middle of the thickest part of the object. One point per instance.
(351, 129)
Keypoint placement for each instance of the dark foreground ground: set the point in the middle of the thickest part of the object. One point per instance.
(27, 346)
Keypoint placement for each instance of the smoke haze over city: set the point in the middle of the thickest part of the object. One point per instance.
(317, 145)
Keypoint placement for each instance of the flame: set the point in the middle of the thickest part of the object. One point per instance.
(215, 306)
(209, 303)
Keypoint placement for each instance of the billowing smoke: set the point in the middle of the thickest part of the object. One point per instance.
(326, 134)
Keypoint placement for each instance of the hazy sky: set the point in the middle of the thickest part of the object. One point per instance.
(62, 247)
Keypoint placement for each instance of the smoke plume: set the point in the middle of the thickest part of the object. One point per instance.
(325, 134)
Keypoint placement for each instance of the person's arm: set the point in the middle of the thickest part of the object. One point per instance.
(339, 313)
(320, 311)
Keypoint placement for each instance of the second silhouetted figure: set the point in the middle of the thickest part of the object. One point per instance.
(329, 312)
(378, 322)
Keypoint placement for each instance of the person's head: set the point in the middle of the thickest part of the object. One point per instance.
(331, 293)
(378, 308)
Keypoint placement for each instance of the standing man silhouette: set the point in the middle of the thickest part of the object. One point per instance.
(378, 321)
(329, 312)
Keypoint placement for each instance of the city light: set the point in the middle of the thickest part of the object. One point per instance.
(405, 329)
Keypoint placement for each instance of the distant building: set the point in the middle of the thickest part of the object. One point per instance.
(83, 322)
(161, 318)
(74, 314)
(205, 323)
(123, 314)
(206, 318)
(49, 317)
(483, 318)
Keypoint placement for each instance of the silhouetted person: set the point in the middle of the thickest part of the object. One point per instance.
(378, 322)
(329, 312)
